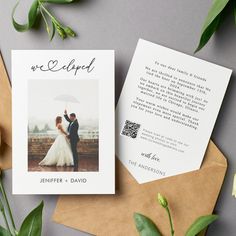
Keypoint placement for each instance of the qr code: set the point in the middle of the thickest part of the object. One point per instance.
(130, 129)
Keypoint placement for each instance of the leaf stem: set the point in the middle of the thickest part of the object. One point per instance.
(45, 20)
(5, 220)
(170, 220)
(49, 14)
(7, 204)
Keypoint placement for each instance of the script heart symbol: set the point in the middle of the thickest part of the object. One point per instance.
(52, 64)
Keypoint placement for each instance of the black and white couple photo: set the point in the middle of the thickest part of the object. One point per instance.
(63, 130)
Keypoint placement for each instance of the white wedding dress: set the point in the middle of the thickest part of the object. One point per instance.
(60, 153)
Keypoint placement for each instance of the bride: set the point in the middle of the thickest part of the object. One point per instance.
(60, 153)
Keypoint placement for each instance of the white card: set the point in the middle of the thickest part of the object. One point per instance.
(54, 153)
(166, 111)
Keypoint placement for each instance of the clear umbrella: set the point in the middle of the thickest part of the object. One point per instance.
(66, 98)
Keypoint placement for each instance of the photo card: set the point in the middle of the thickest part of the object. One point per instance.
(63, 121)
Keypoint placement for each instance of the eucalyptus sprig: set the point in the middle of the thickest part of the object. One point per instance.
(39, 10)
(215, 17)
(146, 227)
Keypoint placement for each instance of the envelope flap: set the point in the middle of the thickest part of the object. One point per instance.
(5, 156)
(5, 105)
(213, 156)
(190, 195)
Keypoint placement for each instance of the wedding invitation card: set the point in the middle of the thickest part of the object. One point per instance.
(63, 121)
(166, 111)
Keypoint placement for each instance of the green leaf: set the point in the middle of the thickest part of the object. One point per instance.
(46, 22)
(234, 12)
(211, 22)
(4, 232)
(53, 31)
(32, 225)
(32, 16)
(59, 1)
(208, 33)
(200, 224)
(145, 226)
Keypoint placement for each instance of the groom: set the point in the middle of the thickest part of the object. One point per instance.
(73, 136)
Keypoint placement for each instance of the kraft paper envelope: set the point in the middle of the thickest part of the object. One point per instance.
(190, 195)
(5, 118)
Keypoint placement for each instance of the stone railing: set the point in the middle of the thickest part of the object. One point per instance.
(39, 146)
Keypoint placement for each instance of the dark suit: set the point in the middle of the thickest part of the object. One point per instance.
(74, 138)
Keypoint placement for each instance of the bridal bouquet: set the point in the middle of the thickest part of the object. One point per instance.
(32, 224)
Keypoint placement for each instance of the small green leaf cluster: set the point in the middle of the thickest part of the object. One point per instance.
(38, 10)
(215, 17)
(146, 227)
